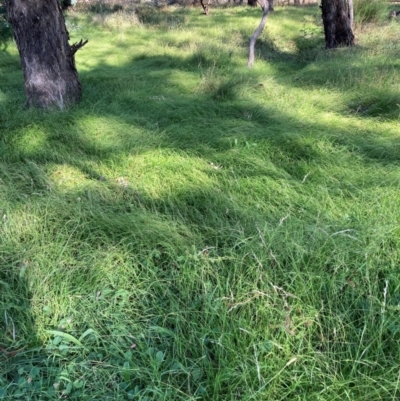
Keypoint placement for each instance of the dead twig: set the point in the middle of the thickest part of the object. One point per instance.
(78, 45)
(10, 354)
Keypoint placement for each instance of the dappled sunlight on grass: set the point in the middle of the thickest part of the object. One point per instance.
(104, 135)
(65, 178)
(33, 140)
(159, 173)
(196, 230)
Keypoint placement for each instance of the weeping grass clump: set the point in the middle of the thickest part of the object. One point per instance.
(195, 230)
(370, 10)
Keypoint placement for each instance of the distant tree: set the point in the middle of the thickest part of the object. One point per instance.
(337, 17)
(254, 3)
(48, 60)
(265, 6)
(205, 7)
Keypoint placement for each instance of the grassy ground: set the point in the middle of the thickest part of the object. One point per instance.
(195, 230)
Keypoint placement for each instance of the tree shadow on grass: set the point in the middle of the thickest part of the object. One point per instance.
(194, 116)
(29, 368)
(138, 236)
(309, 65)
(19, 361)
(219, 124)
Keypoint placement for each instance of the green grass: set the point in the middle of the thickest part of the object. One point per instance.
(198, 230)
(370, 10)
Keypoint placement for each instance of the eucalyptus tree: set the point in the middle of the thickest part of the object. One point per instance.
(266, 7)
(337, 17)
(47, 58)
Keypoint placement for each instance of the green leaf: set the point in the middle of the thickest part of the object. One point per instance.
(78, 383)
(196, 374)
(85, 334)
(177, 366)
(128, 355)
(34, 372)
(57, 340)
(68, 389)
(20, 393)
(65, 336)
(159, 356)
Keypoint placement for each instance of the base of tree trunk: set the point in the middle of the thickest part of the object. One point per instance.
(205, 7)
(48, 62)
(336, 16)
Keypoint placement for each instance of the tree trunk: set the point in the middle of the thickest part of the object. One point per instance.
(205, 7)
(351, 12)
(258, 31)
(337, 23)
(48, 62)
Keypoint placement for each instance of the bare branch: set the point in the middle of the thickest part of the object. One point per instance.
(78, 45)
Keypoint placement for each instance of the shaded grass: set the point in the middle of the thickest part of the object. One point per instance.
(197, 230)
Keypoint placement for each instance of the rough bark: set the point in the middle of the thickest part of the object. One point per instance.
(337, 23)
(205, 7)
(48, 62)
(258, 31)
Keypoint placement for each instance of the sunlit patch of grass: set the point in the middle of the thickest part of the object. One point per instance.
(66, 177)
(119, 20)
(32, 140)
(197, 230)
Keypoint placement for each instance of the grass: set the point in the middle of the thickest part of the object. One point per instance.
(368, 11)
(198, 230)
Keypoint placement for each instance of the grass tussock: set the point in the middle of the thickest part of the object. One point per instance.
(370, 10)
(195, 230)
